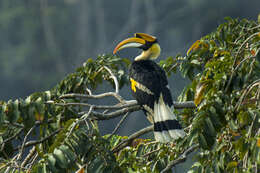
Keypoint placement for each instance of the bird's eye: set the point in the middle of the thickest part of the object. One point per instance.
(144, 47)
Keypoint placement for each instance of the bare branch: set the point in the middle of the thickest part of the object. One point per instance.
(102, 116)
(258, 26)
(114, 78)
(32, 162)
(177, 105)
(83, 118)
(29, 156)
(31, 143)
(23, 145)
(118, 125)
(182, 105)
(246, 92)
(14, 124)
(126, 142)
(99, 106)
(180, 159)
(151, 152)
(108, 94)
(250, 57)
(11, 138)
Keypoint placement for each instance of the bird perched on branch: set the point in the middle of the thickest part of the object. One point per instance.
(150, 87)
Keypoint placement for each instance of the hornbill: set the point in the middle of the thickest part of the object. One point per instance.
(150, 87)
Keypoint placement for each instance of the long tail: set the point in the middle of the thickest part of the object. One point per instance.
(166, 126)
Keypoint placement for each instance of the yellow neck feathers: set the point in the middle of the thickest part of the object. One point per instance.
(150, 54)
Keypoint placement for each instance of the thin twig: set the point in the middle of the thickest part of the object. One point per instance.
(11, 138)
(118, 125)
(249, 136)
(258, 26)
(83, 118)
(151, 152)
(102, 116)
(114, 78)
(8, 166)
(126, 142)
(32, 143)
(239, 49)
(29, 156)
(32, 162)
(23, 145)
(250, 57)
(246, 92)
(14, 124)
(180, 159)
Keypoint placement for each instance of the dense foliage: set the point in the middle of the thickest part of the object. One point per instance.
(60, 126)
(224, 70)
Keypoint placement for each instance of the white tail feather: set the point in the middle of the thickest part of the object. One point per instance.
(162, 112)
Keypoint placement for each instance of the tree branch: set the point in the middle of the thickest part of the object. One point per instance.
(126, 142)
(102, 116)
(117, 106)
(114, 78)
(180, 159)
(108, 94)
(31, 143)
(177, 105)
(11, 138)
(118, 125)
(23, 145)
(29, 156)
(182, 105)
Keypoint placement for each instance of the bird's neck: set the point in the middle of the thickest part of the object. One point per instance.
(152, 53)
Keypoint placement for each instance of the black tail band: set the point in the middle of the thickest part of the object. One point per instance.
(166, 125)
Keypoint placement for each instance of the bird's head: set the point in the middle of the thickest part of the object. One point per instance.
(149, 45)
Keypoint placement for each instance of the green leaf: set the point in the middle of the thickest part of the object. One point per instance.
(61, 159)
(2, 115)
(231, 165)
(202, 141)
(200, 89)
(69, 154)
(51, 163)
(97, 165)
(210, 127)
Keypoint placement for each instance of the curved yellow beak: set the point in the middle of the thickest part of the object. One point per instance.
(146, 37)
(129, 42)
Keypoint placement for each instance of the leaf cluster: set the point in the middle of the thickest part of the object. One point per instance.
(59, 133)
(223, 68)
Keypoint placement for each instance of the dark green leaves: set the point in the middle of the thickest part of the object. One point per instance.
(222, 66)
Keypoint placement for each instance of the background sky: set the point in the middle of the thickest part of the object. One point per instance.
(42, 41)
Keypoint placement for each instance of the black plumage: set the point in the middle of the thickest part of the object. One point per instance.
(150, 88)
(149, 74)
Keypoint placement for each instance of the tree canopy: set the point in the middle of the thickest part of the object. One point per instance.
(58, 130)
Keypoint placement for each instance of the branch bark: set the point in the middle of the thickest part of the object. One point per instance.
(177, 105)
(32, 143)
(126, 142)
(181, 158)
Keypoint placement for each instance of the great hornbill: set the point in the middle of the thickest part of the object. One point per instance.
(150, 87)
